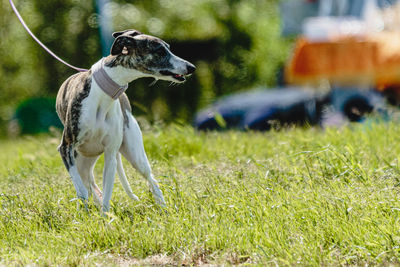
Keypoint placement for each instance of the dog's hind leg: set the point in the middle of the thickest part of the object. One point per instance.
(85, 167)
(133, 150)
(68, 154)
(123, 179)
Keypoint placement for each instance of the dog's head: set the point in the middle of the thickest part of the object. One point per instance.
(149, 55)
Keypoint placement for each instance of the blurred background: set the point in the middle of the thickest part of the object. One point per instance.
(237, 46)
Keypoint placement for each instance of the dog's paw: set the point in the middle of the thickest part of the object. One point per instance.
(134, 197)
(160, 201)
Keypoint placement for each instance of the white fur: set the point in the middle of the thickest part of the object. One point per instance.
(133, 150)
(103, 131)
(103, 128)
(123, 179)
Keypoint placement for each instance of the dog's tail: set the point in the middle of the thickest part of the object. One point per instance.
(123, 179)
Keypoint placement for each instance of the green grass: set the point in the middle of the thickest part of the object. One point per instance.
(294, 197)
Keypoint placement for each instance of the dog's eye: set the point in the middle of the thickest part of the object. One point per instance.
(161, 51)
(158, 48)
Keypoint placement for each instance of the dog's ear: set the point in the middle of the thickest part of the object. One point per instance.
(131, 32)
(124, 42)
(123, 45)
(116, 34)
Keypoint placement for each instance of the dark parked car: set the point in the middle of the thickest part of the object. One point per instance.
(261, 109)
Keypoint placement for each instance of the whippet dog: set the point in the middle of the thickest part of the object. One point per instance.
(97, 117)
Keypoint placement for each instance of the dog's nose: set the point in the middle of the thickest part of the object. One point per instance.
(190, 68)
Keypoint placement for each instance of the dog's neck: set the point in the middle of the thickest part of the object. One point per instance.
(113, 81)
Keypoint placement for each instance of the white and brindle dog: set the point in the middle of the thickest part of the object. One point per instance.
(97, 117)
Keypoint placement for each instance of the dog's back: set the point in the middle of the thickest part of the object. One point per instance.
(70, 96)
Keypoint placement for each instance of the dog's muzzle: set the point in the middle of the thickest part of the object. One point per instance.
(180, 77)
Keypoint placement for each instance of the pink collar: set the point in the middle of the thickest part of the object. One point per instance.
(108, 85)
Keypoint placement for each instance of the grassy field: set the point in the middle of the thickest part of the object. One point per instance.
(294, 197)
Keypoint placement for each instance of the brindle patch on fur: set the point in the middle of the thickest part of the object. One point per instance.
(75, 87)
(125, 108)
(148, 55)
(68, 105)
(130, 32)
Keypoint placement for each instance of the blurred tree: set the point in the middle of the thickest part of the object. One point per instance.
(235, 44)
(26, 70)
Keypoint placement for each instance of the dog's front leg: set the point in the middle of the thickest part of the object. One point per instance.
(110, 168)
(123, 179)
(133, 150)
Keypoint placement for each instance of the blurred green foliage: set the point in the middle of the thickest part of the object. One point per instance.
(236, 45)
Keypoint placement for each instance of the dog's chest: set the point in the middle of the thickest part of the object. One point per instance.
(101, 125)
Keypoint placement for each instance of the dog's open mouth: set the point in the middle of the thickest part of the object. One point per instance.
(178, 77)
